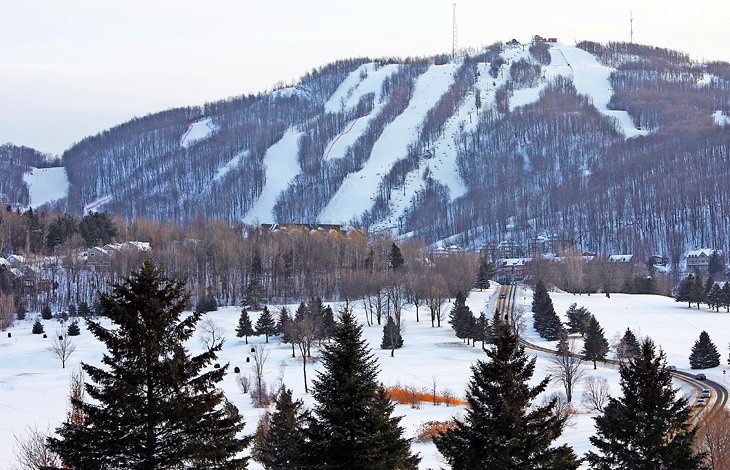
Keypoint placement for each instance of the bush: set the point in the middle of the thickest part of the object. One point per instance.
(428, 430)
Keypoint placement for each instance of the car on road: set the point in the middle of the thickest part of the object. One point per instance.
(701, 402)
(672, 368)
(701, 376)
(705, 393)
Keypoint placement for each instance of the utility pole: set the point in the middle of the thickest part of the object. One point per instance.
(631, 22)
(453, 42)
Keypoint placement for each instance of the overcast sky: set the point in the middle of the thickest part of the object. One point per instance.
(72, 68)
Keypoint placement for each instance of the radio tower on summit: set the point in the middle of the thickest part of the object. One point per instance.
(453, 40)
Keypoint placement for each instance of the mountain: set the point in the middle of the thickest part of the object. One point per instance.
(614, 146)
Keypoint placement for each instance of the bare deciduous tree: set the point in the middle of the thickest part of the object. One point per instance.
(260, 394)
(566, 367)
(6, 311)
(244, 382)
(596, 394)
(62, 347)
(713, 438)
(31, 451)
(304, 334)
(211, 334)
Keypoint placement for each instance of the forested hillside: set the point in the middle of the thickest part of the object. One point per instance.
(618, 147)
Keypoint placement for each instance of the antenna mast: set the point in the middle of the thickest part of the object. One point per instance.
(453, 42)
(631, 21)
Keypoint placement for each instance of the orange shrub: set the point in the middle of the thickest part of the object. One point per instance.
(409, 396)
(430, 429)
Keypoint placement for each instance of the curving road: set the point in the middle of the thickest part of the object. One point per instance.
(506, 304)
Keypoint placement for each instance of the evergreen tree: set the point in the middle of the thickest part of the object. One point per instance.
(255, 294)
(282, 324)
(392, 338)
(648, 427)
(265, 325)
(578, 318)
(709, 283)
(283, 447)
(97, 229)
(38, 327)
(595, 346)
(46, 313)
(207, 303)
(716, 265)
(502, 427)
(352, 417)
(628, 346)
(84, 310)
(543, 312)
(714, 298)
(697, 291)
(21, 312)
(704, 353)
(72, 311)
(153, 404)
(328, 322)
(395, 258)
(726, 296)
(487, 270)
(73, 328)
(683, 292)
(460, 316)
(244, 329)
(481, 329)
(553, 326)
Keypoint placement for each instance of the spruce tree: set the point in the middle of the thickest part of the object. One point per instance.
(543, 312)
(714, 298)
(38, 327)
(72, 311)
(553, 326)
(153, 404)
(481, 330)
(697, 291)
(629, 345)
(46, 313)
(352, 418)
(487, 270)
(726, 296)
(578, 318)
(704, 353)
(244, 328)
(716, 266)
(395, 258)
(255, 294)
(21, 312)
(683, 292)
(461, 317)
(392, 338)
(502, 428)
(84, 310)
(265, 325)
(649, 426)
(595, 346)
(328, 322)
(282, 323)
(73, 328)
(283, 447)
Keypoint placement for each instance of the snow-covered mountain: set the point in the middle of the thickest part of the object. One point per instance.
(616, 146)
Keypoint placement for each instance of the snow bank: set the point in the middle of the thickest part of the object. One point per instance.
(281, 167)
(198, 130)
(46, 185)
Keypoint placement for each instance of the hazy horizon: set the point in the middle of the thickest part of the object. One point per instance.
(73, 69)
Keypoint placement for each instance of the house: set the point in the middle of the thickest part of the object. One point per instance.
(136, 246)
(16, 261)
(552, 40)
(699, 260)
(512, 269)
(98, 255)
(452, 249)
(509, 249)
(620, 258)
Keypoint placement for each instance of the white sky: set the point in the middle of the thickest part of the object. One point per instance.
(72, 68)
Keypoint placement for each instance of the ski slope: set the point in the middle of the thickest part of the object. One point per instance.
(230, 165)
(198, 130)
(358, 190)
(368, 78)
(282, 166)
(46, 185)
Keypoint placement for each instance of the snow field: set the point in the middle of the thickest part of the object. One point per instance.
(350, 200)
(282, 167)
(198, 130)
(46, 185)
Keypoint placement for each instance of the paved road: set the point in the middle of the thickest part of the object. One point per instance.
(507, 302)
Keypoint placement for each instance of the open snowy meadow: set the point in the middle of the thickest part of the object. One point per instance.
(34, 387)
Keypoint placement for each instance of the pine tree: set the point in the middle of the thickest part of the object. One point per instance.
(392, 338)
(461, 318)
(542, 308)
(683, 292)
(282, 327)
(726, 296)
(553, 326)
(283, 447)
(72, 311)
(502, 428)
(481, 330)
(395, 258)
(244, 329)
(21, 312)
(697, 291)
(704, 353)
(153, 404)
(352, 418)
(649, 426)
(487, 270)
(328, 322)
(73, 328)
(595, 346)
(38, 327)
(628, 346)
(578, 318)
(46, 313)
(714, 298)
(255, 294)
(716, 266)
(84, 310)
(265, 325)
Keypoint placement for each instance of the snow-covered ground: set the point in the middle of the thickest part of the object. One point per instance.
(95, 205)
(230, 165)
(46, 185)
(282, 166)
(720, 118)
(368, 78)
(359, 189)
(198, 130)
